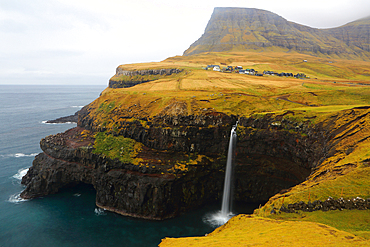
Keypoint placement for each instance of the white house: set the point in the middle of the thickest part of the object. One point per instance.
(216, 68)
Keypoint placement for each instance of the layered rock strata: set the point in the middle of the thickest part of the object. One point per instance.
(272, 154)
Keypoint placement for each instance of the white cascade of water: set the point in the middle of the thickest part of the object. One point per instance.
(227, 198)
(221, 217)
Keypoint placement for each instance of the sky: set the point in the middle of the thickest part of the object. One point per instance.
(83, 41)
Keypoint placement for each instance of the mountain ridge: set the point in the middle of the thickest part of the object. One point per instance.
(246, 29)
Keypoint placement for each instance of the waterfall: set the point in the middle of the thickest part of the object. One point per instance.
(227, 195)
(221, 217)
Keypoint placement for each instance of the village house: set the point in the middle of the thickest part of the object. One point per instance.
(216, 68)
(240, 70)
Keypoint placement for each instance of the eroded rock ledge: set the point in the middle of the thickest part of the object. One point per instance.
(68, 119)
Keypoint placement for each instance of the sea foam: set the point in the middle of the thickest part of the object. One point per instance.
(45, 122)
(20, 174)
(18, 155)
(99, 211)
(216, 219)
(16, 198)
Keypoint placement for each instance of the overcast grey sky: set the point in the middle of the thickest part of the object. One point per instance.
(83, 41)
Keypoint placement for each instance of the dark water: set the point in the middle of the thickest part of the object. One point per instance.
(69, 218)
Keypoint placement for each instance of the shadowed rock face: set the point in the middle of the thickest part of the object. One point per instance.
(270, 157)
(248, 29)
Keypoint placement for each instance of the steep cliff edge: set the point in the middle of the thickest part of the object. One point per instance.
(147, 190)
(128, 78)
(179, 163)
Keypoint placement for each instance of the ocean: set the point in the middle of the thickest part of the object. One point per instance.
(69, 218)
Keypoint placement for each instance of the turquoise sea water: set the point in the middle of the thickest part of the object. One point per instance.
(69, 218)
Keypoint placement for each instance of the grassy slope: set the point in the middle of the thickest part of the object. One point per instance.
(314, 99)
(244, 230)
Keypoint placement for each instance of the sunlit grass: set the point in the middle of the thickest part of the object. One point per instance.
(244, 230)
(356, 222)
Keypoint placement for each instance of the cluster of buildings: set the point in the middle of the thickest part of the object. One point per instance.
(299, 75)
(240, 70)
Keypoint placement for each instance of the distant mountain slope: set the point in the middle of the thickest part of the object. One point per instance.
(237, 29)
(355, 34)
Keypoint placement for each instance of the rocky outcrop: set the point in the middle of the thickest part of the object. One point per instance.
(68, 160)
(129, 78)
(68, 119)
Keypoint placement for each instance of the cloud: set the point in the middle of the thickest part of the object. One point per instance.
(12, 26)
(64, 38)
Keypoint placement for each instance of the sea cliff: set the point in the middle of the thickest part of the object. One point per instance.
(180, 163)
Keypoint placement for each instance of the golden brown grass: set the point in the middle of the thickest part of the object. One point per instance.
(244, 230)
(356, 222)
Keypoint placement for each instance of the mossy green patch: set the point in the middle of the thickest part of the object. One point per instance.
(116, 147)
(105, 107)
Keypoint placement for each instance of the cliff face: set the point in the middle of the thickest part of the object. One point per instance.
(239, 29)
(272, 154)
(181, 162)
(68, 160)
(129, 78)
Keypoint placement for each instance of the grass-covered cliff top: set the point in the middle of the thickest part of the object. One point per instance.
(332, 88)
(332, 85)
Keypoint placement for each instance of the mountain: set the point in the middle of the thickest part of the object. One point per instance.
(246, 29)
(355, 35)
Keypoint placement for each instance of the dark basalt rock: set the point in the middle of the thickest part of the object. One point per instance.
(68, 119)
(329, 204)
(270, 157)
(123, 188)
